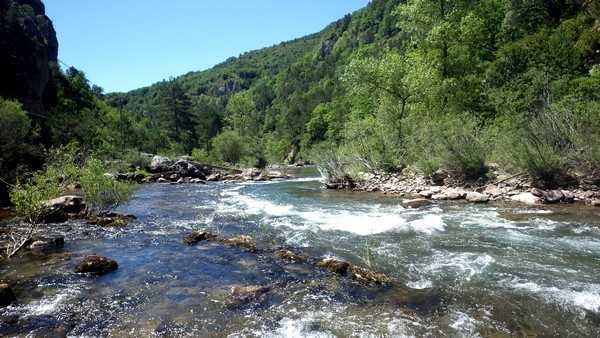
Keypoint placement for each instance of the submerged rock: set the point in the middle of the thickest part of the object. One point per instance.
(416, 203)
(289, 256)
(242, 241)
(245, 294)
(424, 301)
(198, 236)
(96, 265)
(110, 220)
(7, 296)
(334, 265)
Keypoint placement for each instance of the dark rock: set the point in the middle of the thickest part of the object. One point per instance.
(334, 265)
(245, 294)
(198, 236)
(7, 296)
(553, 196)
(186, 168)
(438, 177)
(96, 265)
(242, 241)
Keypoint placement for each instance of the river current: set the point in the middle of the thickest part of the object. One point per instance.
(464, 270)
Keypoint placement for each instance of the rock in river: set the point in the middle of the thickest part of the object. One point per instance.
(527, 198)
(289, 256)
(96, 265)
(198, 236)
(6, 295)
(44, 244)
(367, 276)
(244, 294)
(160, 164)
(334, 265)
(416, 203)
(242, 241)
(476, 197)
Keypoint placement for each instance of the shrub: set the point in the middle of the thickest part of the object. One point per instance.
(229, 146)
(200, 155)
(29, 197)
(453, 142)
(102, 192)
(15, 127)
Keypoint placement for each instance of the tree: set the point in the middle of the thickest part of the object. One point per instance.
(177, 114)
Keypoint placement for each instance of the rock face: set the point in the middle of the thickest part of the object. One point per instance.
(96, 265)
(416, 203)
(198, 236)
(28, 44)
(7, 296)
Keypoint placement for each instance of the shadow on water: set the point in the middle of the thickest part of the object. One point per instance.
(459, 270)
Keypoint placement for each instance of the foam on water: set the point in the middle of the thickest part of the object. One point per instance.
(586, 297)
(460, 266)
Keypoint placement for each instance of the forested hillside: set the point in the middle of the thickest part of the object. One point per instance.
(434, 83)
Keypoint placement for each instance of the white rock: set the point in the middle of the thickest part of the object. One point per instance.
(476, 197)
(527, 198)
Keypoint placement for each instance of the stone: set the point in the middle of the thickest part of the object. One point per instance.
(426, 193)
(243, 241)
(289, 255)
(110, 220)
(198, 236)
(438, 177)
(96, 265)
(43, 244)
(160, 164)
(368, 277)
(527, 198)
(197, 181)
(214, 177)
(416, 203)
(492, 190)
(476, 197)
(334, 265)
(71, 204)
(553, 196)
(568, 197)
(453, 194)
(594, 203)
(7, 295)
(162, 180)
(245, 294)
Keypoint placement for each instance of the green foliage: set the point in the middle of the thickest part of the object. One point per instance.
(29, 197)
(200, 155)
(229, 147)
(102, 192)
(15, 127)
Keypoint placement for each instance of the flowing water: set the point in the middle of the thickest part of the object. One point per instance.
(462, 270)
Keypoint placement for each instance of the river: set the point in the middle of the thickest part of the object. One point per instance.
(463, 270)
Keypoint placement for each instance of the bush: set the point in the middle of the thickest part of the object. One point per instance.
(200, 155)
(229, 146)
(102, 192)
(15, 127)
(453, 142)
(29, 198)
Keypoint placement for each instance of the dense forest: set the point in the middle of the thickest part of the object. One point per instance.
(423, 83)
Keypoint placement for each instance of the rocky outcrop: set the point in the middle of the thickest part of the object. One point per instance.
(96, 265)
(29, 47)
(7, 295)
(334, 265)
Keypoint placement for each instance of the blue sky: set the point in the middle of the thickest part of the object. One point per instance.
(126, 44)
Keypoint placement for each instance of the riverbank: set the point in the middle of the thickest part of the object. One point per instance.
(441, 185)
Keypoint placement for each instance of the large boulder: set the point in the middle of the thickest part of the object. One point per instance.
(96, 265)
(7, 296)
(71, 204)
(160, 164)
(185, 168)
(527, 198)
(476, 197)
(438, 177)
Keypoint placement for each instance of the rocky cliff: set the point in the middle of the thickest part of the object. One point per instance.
(28, 51)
